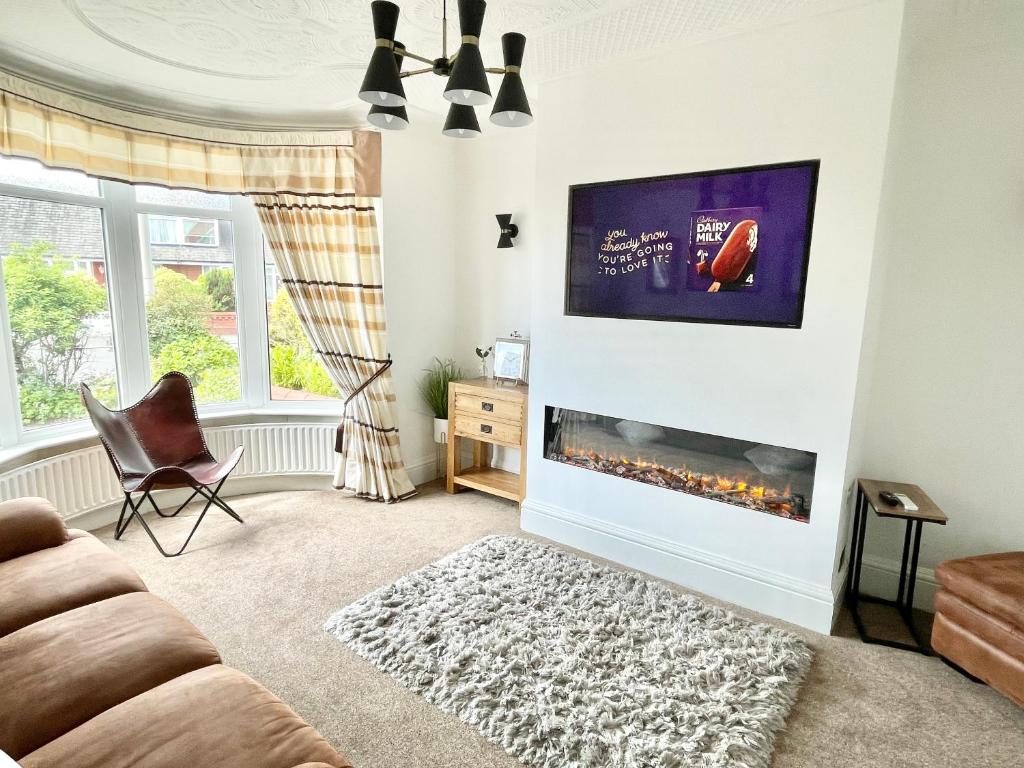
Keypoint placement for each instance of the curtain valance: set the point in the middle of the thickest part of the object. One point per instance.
(63, 131)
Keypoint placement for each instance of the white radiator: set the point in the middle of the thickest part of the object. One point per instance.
(81, 481)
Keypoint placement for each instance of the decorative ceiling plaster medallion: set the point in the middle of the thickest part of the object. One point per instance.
(242, 39)
(300, 62)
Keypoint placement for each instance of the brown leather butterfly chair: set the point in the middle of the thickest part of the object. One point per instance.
(158, 443)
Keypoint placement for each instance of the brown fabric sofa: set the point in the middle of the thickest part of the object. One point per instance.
(96, 672)
(979, 619)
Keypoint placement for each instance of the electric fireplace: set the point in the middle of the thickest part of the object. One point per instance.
(765, 478)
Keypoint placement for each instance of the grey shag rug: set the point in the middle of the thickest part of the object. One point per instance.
(563, 662)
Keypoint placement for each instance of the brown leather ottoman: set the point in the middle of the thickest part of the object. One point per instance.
(213, 716)
(84, 661)
(979, 619)
(49, 581)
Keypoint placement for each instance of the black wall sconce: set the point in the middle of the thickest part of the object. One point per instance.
(508, 230)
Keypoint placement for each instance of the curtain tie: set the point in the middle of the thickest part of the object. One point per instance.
(339, 438)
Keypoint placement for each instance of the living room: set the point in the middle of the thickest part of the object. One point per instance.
(511, 383)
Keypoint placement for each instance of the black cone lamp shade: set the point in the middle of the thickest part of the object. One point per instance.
(461, 122)
(467, 84)
(382, 85)
(391, 118)
(511, 108)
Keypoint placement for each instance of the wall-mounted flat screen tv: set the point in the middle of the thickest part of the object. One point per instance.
(728, 246)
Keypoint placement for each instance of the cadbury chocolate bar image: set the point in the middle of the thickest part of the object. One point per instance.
(733, 258)
(720, 257)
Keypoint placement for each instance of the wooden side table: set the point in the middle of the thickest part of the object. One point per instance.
(489, 413)
(868, 494)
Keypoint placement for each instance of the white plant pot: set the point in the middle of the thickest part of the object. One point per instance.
(440, 430)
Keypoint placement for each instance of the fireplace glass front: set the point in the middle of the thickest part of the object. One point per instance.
(765, 478)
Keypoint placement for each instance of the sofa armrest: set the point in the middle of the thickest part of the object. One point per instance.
(28, 525)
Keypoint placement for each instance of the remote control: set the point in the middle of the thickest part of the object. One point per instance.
(889, 498)
(906, 501)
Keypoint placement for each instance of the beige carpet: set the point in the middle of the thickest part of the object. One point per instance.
(262, 591)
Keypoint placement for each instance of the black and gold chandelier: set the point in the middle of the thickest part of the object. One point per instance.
(467, 76)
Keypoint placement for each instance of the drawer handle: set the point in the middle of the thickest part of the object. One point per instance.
(487, 406)
(486, 428)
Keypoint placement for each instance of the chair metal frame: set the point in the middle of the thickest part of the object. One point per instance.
(211, 497)
(115, 425)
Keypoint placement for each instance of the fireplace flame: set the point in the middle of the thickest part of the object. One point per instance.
(734, 490)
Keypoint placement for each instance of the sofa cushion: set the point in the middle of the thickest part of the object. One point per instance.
(82, 662)
(213, 717)
(979, 657)
(44, 583)
(28, 525)
(987, 626)
(993, 583)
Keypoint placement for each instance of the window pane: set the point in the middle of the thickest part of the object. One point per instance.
(296, 373)
(163, 231)
(182, 198)
(54, 277)
(199, 232)
(191, 308)
(29, 173)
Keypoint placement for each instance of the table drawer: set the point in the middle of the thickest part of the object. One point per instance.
(486, 430)
(488, 408)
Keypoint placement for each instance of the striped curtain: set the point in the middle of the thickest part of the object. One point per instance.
(327, 251)
(313, 192)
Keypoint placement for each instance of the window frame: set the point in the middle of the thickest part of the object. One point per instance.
(123, 240)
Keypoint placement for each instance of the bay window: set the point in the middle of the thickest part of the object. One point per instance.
(113, 285)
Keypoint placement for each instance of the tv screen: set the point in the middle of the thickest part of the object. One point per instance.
(728, 246)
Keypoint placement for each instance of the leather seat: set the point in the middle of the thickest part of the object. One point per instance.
(979, 619)
(96, 672)
(214, 716)
(49, 581)
(79, 663)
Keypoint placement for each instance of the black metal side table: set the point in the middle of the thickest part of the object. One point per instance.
(868, 494)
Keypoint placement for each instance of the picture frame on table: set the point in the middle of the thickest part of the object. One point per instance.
(512, 360)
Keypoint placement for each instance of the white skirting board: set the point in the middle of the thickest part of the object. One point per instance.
(283, 456)
(879, 576)
(767, 592)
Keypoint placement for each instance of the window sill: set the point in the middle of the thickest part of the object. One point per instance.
(37, 448)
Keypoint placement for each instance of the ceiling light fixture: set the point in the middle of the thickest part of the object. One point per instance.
(391, 118)
(467, 76)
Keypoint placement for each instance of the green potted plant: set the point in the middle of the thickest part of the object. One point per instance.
(434, 391)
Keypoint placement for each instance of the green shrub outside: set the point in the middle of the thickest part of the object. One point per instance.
(48, 305)
(218, 385)
(293, 363)
(219, 285)
(176, 310)
(210, 363)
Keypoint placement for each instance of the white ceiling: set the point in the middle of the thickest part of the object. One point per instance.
(300, 62)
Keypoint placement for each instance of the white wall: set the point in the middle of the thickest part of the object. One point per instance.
(817, 88)
(942, 406)
(497, 173)
(418, 225)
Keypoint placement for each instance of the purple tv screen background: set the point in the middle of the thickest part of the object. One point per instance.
(647, 248)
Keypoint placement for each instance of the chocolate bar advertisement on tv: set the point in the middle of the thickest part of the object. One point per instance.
(726, 246)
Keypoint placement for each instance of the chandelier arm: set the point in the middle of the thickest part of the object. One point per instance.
(417, 57)
(495, 70)
(412, 72)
